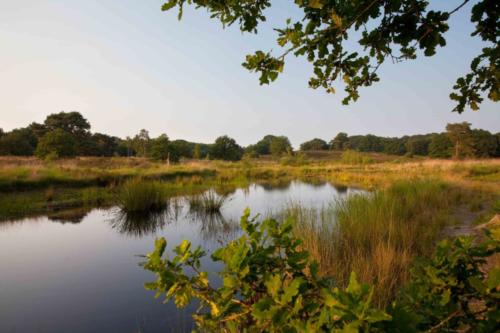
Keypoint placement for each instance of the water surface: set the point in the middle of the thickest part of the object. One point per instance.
(80, 273)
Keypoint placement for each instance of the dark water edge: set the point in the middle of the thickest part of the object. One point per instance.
(80, 272)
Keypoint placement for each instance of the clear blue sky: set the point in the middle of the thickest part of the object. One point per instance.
(125, 65)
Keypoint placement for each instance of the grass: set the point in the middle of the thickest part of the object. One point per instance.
(377, 235)
(95, 181)
(138, 195)
(208, 202)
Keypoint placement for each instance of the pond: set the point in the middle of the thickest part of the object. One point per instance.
(81, 273)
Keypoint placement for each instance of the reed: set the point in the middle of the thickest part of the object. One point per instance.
(138, 195)
(377, 235)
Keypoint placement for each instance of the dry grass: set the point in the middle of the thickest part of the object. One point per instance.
(377, 235)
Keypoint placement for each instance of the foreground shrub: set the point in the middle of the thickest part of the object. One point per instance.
(139, 195)
(269, 285)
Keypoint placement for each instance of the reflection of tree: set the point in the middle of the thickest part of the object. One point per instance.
(213, 225)
(139, 224)
(73, 216)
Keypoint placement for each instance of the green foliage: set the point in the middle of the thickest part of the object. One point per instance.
(485, 143)
(18, 142)
(280, 145)
(418, 145)
(141, 196)
(226, 148)
(395, 30)
(267, 285)
(452, 292)
(354, 157)
(314, 144)
(461, 137)
(56, 143)
(270, 285)
(440, 146)
(71, 122)
(339, 142)
(161, 149)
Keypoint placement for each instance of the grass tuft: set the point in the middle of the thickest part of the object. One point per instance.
(139, 195)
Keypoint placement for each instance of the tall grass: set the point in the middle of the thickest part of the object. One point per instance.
(376, 235)
(209, 202)
(139, 195)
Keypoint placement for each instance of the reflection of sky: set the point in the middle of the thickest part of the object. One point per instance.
(84, 277)
(126, 65)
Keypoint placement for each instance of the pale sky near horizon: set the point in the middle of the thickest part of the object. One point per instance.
(125, 65)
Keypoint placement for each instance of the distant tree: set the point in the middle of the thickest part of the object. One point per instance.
(226, 148)
(314, 144)
(365, 143)
(280, 145)
(163, 150)
(340, 141)
(58, 143)
(197, 152)
(38, 130)
(141, 143)
(485, 143)
(18, 142)
(1, 132)
(71, 122)
(418, 145)
(263, 147)
(497, 152)
(440, 146)
(183, 148)
(460, 135)
(104, 145)
(394, 146)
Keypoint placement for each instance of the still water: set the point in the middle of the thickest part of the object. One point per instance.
(82, 273)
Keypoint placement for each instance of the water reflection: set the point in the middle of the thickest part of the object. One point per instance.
(72, 216)
(213, 226)
(139, 224)
(38, 292)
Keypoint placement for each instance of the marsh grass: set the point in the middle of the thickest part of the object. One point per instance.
(138, 195)
(377, 235)
(208, 202)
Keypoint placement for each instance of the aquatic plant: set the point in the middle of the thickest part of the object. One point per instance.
(138, 195)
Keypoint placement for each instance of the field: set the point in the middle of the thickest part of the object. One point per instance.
(29, 186)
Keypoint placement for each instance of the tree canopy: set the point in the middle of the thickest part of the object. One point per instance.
(349, 40)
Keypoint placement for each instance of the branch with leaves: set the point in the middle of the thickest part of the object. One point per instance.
(384, 29)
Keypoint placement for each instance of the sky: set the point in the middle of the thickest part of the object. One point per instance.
(126, 65)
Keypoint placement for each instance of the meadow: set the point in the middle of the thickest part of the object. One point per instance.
(29, 186)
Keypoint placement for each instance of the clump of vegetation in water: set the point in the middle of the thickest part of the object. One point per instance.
(209, 202)
(137, 195)
(269, 285)
(376, 235)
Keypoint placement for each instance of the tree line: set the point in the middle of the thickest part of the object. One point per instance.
(67, 134)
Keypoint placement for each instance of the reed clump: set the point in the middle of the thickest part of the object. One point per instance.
(209, 202)
(138, 195)
(377, 235)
